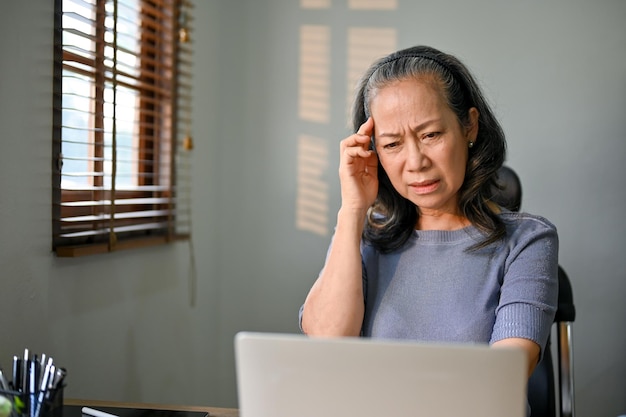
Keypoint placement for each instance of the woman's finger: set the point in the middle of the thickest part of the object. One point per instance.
(357, 152)
(366, 128)
(362, 137)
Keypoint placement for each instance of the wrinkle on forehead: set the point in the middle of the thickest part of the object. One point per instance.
(408, 106)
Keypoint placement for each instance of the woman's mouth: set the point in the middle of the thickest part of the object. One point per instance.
(424, 187)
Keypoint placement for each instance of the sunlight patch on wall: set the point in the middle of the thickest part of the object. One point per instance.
(314, 80)
(373, 4)
(365, 45)
(312, 198)
(315, 4)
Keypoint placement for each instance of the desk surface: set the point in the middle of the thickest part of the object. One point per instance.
(211, 411)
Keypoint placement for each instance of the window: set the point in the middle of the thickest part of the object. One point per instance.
(121, 136)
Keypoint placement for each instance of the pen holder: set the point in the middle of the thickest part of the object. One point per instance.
(50, 405)
(53, 407)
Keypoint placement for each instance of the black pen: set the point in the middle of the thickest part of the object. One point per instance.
(25, 373)
(17, 374)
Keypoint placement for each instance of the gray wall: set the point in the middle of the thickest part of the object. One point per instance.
(126, 326)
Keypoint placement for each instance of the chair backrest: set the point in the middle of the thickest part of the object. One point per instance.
(543, 393)
(508, 192)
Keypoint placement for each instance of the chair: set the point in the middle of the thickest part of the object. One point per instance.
(543, 393)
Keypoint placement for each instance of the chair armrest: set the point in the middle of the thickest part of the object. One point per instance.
(566, 368)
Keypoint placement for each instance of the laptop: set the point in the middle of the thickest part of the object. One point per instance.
(292, 375)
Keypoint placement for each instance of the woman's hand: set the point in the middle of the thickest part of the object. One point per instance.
(358, 167)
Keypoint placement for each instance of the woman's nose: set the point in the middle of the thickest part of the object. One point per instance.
(415, 157)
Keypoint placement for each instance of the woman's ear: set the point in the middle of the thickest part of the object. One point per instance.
(471, 132)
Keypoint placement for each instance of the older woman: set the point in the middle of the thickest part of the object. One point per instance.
(419, 251)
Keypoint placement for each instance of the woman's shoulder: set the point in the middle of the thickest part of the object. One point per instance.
(526, 222)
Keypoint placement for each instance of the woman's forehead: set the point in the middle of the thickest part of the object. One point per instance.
(408, 96)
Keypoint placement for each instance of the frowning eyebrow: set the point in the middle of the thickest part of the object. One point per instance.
(417, 128)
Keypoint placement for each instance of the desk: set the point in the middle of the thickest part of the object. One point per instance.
(211, 411)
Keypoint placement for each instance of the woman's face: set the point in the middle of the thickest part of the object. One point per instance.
(421, 145)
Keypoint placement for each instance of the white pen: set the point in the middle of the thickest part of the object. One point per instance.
(47, 373)
(4, 384)
(32, 387)
(96, 413)
(43, 388)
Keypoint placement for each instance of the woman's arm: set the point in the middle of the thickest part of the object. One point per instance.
(335, 305)
(529, 293)
(531, 348)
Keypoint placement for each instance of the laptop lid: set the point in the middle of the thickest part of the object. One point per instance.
(291, 375)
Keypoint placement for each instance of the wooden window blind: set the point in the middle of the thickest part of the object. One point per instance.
(121, 124)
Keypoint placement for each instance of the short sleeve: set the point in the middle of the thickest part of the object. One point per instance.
(529, 292)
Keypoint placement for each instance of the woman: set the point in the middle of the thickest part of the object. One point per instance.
(419, 251)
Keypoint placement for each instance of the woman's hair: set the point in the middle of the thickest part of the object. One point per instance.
(392, 218)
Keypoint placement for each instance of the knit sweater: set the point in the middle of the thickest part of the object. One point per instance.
(436, 289)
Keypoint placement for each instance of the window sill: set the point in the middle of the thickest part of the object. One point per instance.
(95, 249)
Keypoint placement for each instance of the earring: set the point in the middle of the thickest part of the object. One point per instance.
(470, 145)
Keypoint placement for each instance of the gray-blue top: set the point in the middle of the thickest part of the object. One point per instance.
(436, 289)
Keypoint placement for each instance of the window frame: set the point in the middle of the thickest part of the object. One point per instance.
(159, 142)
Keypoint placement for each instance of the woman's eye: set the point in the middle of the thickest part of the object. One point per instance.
(430, 136)
(391, 145)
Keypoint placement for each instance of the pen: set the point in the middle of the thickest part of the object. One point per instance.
(47, 374)
(25, 376)
(58, 377)
(43, 388)
(96, 413)
(3, 381)
(32, 386)
(17, 373)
